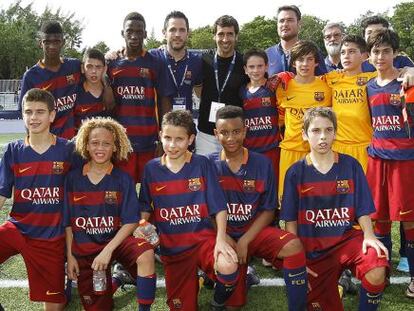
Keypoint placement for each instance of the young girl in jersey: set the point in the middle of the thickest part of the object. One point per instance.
(101, 211)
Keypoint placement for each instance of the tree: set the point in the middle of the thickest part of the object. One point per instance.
(101, 46)
(403, 24)
(260, 33)
(311, 29)
(19, 47)
(152, 42)
(201, 38)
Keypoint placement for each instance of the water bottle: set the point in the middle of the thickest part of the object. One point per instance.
(99, 282)
(147, 231)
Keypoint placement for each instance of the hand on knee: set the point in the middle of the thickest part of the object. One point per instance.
(225, 267)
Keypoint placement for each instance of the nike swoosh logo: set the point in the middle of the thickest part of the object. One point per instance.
(49, 293)
(47, 86)
(85, 109)
(290, 98)
(295, 275)
(306, 190)
(159, 188)
(117, 71)
(221, 180)
(333, 82)
(373, 296)
(141, 243)
(283, 236)
(76, 199)
(22, 170)
(406, 212)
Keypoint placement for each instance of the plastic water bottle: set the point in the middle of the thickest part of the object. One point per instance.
(147, 231)
(99, 282)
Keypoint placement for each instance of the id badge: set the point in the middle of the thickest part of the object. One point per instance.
(213, 110)
(179, 103)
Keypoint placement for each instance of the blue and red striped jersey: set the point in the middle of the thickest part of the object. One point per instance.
(62, 84)
(261, 119)
(36, 182)
(182, 203)
(249, 191)
(325, 206)
(96, 212)
(136, 85)
(390, 139)
(87, 105)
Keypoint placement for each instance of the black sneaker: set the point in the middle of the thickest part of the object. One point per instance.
(410, 289)
(252, 278)
(214, 306)
(122, 276)
(205, 281)
(345, 281)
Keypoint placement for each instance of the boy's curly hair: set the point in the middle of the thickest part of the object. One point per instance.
(122, 143)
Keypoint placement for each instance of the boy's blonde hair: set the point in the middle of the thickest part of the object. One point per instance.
(122, 143)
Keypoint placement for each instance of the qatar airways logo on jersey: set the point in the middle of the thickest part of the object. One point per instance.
(386, 123)
(259, 123)
(41, 195)
(297, 113)
(131, 92)
(65, 103)
(324, 218)
(353, 96)
(239, 212)
(96, 225)
(181, 215)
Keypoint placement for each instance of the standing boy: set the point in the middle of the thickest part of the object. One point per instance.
(33, 170)
(250, 186)
(182, 193)
(391, 152)
(325, 195)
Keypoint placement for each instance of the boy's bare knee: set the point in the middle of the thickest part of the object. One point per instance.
(376, 276)
(146, 258)
(291, 248)
(51, 306)
(226, 267)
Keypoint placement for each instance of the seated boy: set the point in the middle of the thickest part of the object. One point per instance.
(101, 212)
(326, 194)
(250, 186)
(181, 191)
(33, 170)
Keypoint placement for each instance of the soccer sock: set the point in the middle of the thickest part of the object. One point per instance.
(409, 248)
(294, 273)
(383, 233)
(224, 287)
(370, 295)
(146, 291)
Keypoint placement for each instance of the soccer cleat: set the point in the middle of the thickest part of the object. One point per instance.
(265, 263)
(204, 280)
(403, 265)
(252, 277)
(410, 289)
(345, 281)
(122, 276)
(214, 306)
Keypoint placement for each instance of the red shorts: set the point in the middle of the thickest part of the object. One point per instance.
(181, 278)
(45, 262)
(274, 156)
(346, 255)
(134, 166)
(391, 184)
(267, 245)
(126, 254)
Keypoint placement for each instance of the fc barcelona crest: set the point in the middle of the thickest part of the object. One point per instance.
(194, 184)
(70, 79)
(144, 72)
(395, 99)
(316, 306)
(319, 96)
(57, 167)
(249, 185)
(266, 101)
(188, 75)
(110, 197)
(342, 186)
(361, 81)
(177, 303)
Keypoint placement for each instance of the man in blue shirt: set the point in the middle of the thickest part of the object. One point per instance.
(332, 37)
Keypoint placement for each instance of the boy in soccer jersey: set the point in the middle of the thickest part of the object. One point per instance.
(59, 76)
(89, 94)
(181, 192)
(101, 211)
(303, 92)
(250, 187)
(33, 170)
(142, 94)
(260, 109)
(391, 152)
(325, 195)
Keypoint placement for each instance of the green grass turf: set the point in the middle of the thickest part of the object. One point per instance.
(6, 138)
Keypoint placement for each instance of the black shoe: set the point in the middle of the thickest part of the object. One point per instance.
(345, 281)
(205, 281)
(252, 278)
(122, 276)
(214, 306)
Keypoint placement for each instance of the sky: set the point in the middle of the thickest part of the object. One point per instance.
(103, 22)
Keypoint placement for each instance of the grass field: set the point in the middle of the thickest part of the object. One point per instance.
(260, 298)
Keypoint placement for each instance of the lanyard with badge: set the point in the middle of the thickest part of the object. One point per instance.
(179, 102)
(217, 105)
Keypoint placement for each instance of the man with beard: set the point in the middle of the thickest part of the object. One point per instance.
(332, 37)
(184, 67)
(288, 26)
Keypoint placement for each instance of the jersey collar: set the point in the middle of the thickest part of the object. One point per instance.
(188, 156)
(245, 156)
(86, 169)
(309, 160)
